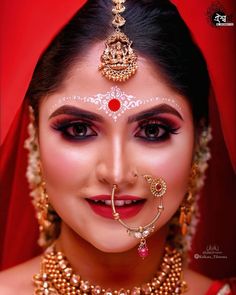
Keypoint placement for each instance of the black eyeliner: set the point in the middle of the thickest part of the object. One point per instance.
(160, 123)
(62, 127)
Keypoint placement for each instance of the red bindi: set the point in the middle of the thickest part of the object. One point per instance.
(114, 104)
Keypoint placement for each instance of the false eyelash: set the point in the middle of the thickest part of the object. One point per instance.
(167, 126)
(62, 127)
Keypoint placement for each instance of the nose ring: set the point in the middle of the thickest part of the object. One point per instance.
(158, 188)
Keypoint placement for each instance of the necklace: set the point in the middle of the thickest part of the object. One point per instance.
(57, 277)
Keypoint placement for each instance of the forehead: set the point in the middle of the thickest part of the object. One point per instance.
(84, 84)
(113, 103)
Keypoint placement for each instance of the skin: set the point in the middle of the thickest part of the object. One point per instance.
(75, 170)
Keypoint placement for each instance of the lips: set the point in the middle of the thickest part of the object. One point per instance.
(127, 206)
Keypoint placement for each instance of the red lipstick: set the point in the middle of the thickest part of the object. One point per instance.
(126, 205)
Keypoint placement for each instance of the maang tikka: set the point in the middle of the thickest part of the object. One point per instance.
(158, 188)
(118, 61)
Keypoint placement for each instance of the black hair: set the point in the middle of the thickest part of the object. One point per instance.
(158, 34)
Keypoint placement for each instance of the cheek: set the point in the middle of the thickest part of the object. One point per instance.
(65, 169)
(176, 171)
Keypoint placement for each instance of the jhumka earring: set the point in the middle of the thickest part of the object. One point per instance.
(48, 220)
(158, 189)
(186, 209)
(118, 61)
(42, 207)
(46, 216)
(184, 223)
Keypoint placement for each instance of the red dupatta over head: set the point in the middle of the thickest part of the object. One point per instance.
(27, 29)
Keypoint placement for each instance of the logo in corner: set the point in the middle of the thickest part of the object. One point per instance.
(218, 16)
(211, 252)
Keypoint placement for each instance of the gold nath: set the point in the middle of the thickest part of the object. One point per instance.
(118, 61)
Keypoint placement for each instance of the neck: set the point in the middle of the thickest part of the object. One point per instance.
(112, 270)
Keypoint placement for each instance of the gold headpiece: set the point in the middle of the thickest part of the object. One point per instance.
(118, 61)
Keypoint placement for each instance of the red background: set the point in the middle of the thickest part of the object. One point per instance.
(27, 28)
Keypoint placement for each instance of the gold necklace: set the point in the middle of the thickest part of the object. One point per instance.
(57, 277)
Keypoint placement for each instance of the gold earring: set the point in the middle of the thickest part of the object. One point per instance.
(48, 220)
(42, 205)
(186, 209)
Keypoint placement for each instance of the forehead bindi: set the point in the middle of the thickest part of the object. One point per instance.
(115, 102)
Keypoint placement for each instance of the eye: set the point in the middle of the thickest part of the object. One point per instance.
(75, 130)
(79, 130)
(155, 131)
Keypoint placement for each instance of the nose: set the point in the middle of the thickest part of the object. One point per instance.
(116, 165)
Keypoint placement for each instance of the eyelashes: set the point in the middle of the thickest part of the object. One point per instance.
(150, 130)
(156, 131)
(75, 130)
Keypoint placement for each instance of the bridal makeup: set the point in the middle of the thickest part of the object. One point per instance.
(94, 136)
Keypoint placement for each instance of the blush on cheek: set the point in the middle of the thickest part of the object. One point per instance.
(63, 168)
(176, 172)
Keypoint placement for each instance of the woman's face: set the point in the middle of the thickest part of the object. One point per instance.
(84, 151)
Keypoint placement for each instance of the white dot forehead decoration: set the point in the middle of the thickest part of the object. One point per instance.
(115, 102)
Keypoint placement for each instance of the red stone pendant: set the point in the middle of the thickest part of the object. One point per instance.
(143, 249)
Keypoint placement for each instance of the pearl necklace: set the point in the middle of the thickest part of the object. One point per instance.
(57, 277)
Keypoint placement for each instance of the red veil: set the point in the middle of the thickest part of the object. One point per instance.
(28, 27)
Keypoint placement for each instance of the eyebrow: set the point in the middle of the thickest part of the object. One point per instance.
(77, 112)
(160, 109)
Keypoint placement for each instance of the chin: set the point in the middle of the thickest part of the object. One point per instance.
(120, 246)
(112, 242)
